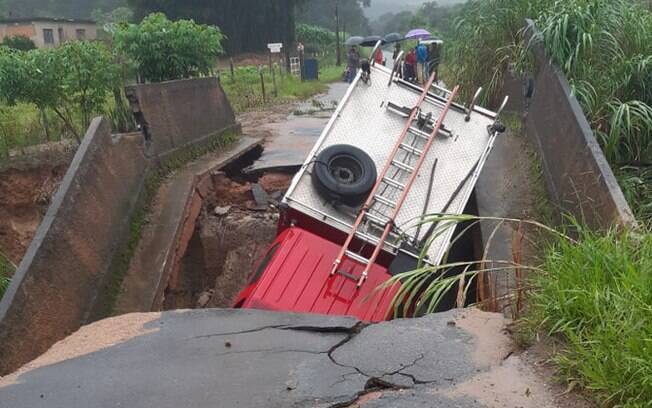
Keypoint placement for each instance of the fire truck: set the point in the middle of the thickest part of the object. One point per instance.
(393, 152)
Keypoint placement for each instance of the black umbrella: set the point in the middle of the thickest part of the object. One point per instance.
(355, 40)
(371, 41)
(393, 37)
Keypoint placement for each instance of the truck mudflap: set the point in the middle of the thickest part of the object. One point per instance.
(295, 276)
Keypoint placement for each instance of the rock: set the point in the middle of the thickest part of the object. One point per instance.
(221, 211)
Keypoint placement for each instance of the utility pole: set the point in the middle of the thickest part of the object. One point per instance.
(337, 33)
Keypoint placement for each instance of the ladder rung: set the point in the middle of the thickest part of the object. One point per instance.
(411, 149)
(376, 219)
(357, 258)
(385, 201)
(419, 132)
(394, 183)
(402, 166)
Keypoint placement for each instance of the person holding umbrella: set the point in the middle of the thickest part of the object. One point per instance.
(352, 64)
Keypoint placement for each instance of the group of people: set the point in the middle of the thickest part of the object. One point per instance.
(419, 63)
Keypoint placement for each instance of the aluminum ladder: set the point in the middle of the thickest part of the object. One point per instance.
(375, 198)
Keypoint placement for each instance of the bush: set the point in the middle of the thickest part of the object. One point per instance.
(19, 42)
(73, 81)
(314, 36)
(596, 295)
(164, 50)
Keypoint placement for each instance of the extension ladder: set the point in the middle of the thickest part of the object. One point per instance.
(392, 183)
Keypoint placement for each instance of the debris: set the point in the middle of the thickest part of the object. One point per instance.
(204, 298)
(260, 196)
(221, 211)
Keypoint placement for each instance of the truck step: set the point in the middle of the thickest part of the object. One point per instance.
(356, 257)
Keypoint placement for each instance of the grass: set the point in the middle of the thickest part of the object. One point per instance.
(603, 46)
(244, 90)
(595, 294)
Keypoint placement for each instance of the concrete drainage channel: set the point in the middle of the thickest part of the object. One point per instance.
(237, 222)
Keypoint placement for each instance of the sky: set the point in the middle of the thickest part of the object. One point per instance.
(380, 7)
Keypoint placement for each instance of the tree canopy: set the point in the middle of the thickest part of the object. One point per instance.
(56, 8)
(322, 13)
(249, 25)
(164, 50)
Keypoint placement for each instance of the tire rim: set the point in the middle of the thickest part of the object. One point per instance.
(345, 169)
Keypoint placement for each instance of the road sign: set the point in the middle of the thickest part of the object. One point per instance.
(275, 48)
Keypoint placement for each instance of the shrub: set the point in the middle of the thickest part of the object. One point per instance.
(164, 50)
(19, 42)
(596, 295)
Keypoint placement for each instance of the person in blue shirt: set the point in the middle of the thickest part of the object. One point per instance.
(422, 59)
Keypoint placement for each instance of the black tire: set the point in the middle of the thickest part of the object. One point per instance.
(344, 174)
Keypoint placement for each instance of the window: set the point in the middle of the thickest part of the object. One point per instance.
(61, 36)
(81, 33)
(48, 36)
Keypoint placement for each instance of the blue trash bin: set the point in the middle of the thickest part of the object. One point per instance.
(310, 69)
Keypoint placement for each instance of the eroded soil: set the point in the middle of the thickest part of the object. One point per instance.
(24, 198)
(232, 234)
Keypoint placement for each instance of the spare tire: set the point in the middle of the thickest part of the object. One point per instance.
(344, 174)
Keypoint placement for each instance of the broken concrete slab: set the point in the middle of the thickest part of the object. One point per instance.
(249, 358)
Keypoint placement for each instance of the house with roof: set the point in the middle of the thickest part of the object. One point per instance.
(48, 32)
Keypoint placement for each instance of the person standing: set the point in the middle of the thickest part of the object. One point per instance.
(433, 59)
(352, 64)
(379, 58)
(422, 60)
(410, 65)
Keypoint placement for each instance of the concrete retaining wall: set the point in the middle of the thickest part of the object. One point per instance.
(57, 278)
(578, 176)
(172, 115)
(59, 281)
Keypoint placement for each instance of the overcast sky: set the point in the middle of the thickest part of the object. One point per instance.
(379, 7)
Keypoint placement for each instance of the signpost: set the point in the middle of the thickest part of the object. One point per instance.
(274, 48)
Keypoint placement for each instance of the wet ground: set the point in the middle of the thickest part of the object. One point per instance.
(290, 131)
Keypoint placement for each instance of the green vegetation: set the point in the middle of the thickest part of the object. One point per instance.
(596, 295)
(164, 50)
(19, 42)
(7, 269)
(603, 46)
(244, 90)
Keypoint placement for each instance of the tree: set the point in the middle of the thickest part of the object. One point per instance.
(89, 78)
(19, 42)
(164, 50)
(248, 25)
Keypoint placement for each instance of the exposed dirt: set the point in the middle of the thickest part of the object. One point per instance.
(232, 234)
(24, 198)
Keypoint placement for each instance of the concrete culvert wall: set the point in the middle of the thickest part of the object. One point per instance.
(66, 271)
(58, 278)
(578, 176)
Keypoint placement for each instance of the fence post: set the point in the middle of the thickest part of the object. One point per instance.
(232, 70)
(262, 83)
(274, 82)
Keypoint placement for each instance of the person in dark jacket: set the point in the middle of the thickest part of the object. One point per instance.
(352, 64)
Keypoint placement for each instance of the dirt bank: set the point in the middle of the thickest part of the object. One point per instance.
(232, 234)
(24, 198)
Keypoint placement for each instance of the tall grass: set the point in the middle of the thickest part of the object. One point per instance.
(603, 46)
(596, 294)
(245, 92)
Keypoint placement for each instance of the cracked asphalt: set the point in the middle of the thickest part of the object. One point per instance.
(247, 358)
